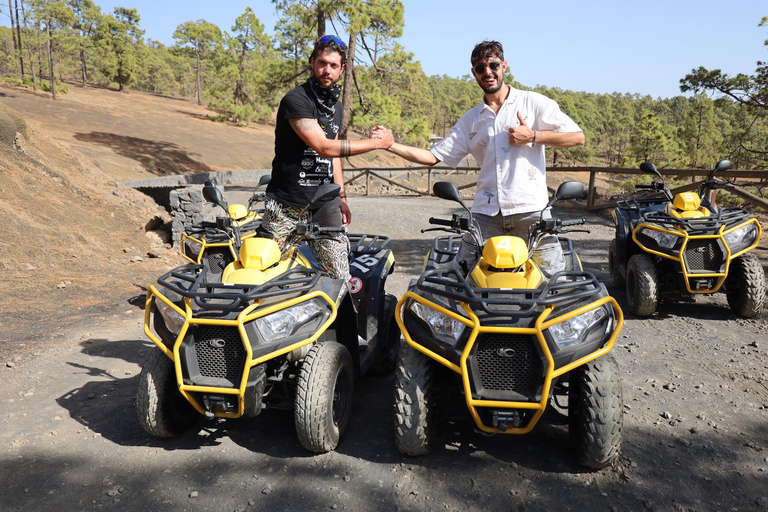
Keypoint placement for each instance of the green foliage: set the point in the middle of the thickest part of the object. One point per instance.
(11, 80)
(60, 87)
(242, 75)
(119, 38)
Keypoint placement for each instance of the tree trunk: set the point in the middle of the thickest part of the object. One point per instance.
(197, 78)
(83, 68)
(239, 94)
(18, 36)
(13, 36)
(120, 87)
(346, 102)
(39, 54)
(50, 59)
(29, 50)
(320, 23)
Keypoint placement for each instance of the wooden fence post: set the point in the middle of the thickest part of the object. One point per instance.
(591, 191)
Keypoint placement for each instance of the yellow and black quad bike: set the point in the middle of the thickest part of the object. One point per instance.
(217, 243)
(676, 247)
(503, 344)
(268, 332)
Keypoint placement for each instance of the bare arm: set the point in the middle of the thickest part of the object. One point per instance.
(560, 139)
(338, 178)
(522, 134)
(313, 136)
(417, 155)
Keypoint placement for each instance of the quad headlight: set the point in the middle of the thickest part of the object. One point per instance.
(288, 321)
(742, 237)
(192, 248)
(442, 325)
(666, 240)
(569, 332)
(173, 320)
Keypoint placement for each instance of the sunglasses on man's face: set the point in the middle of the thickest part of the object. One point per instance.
(329, 38)
(480, 68)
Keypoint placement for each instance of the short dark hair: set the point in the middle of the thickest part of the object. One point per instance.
(487, 50)
(329, 46)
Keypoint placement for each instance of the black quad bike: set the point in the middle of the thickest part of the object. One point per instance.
(676, 247)
(503, 344)
(268, 332)
(217, 243)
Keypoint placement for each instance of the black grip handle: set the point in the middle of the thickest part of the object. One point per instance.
(574, 222)
(341, 229)
(440, 222)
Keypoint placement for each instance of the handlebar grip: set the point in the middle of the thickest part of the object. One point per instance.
(640, 185)
(574, 222)
(440, 222)
(341, 229)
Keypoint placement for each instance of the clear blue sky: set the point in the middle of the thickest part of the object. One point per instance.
(599, 46)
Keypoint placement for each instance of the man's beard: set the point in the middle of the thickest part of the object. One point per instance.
(318, 78)
(491, 90)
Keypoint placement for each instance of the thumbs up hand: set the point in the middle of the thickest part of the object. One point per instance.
(519, 135)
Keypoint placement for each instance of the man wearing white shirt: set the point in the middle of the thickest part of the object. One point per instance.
(506, 135)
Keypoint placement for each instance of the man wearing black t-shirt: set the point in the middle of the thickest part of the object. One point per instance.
(308, 154)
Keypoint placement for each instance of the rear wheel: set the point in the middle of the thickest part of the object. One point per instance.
(617, 280)
(642, 285)
(414, 402)
(324, 396)
(161, 409)
(745, 286)
(595, 412)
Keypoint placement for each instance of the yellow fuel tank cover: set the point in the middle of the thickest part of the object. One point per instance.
(687, 201)
(505, 252)
(259, 253)
(237, 211)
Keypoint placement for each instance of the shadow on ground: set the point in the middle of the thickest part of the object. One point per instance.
(160, 158)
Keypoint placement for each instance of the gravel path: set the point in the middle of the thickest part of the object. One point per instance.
(695, 380)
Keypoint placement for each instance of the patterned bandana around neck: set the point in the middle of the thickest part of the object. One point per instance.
(326, 100)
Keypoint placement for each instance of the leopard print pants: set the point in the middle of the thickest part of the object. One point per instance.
(332, 253)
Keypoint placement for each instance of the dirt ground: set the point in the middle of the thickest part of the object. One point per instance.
(79, 251)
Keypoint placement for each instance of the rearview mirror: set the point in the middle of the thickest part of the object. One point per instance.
(649, 168)
(325, 193)
(569, 190)
(722, 165)
(449, 191)
(264, 180)
(212, 194)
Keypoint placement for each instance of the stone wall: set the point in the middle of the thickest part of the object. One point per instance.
(182, 195)
(188, 207)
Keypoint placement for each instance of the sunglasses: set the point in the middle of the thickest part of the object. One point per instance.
(330, 38)
(480, 68)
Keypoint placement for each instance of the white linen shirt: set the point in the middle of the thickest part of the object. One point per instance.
(512, 179)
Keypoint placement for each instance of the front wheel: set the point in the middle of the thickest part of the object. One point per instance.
(745, 286)
(414, 402)
(595, 412)
(161, 409)
(642, 285)
(323, 401)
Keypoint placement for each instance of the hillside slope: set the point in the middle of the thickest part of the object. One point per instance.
(136, 135)
(78, 244)
(75, 242)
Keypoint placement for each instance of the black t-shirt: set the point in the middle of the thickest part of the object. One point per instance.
(297, 169)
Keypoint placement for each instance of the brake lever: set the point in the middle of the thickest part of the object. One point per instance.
(449, 230)
(575, 231)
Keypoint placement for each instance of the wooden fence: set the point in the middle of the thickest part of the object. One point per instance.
(369, 174)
